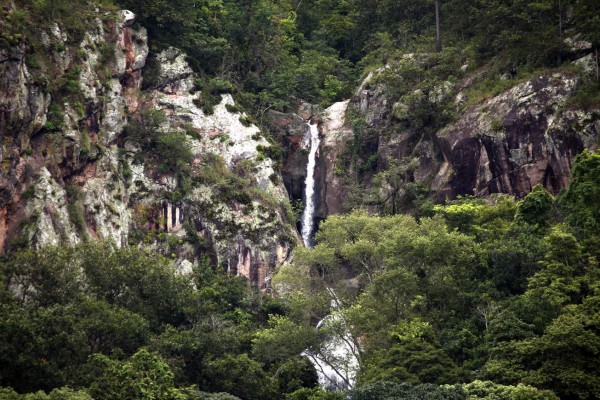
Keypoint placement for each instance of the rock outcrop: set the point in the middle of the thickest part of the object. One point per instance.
(73, 171)
(335, 132)
(251, 236)
(81, 151)
(291, 130)
(515, 140)
(57, 143)
(505, 144)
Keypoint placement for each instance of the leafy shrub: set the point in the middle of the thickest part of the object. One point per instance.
(75, 209)
(233, 108)
(273, 151)
(143, 376)
(587, 96)
(69, 82)
(56, 394)
(55, 118)
(174, 152)
(211, 91)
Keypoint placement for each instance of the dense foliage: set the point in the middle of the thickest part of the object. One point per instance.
(503, 291)
(472, 299)
(123, 324)
(274, 53)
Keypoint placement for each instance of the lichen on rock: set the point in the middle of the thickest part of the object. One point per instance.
(71, 173)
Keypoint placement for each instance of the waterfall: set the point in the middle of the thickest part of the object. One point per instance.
(309, 209)
(336, 362)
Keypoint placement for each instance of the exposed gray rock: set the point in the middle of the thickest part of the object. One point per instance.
(507, 144)
(175, 74)
(140, 48)
(245, 240)
(48, 214)
(84, 179)
(127, 18)
(47, 162)
(576, 44)
(588, 64)
(335, 132)
(511, 142)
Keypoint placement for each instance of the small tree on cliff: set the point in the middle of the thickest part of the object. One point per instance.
(588, 22)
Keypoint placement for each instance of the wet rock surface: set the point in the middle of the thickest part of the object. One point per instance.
(514, 141)
(292, 132)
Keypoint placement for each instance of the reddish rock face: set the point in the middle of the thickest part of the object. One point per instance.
(514, 141)
(30, 143)
(84, 158)
(3, 227)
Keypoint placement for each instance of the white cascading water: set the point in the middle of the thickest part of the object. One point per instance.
(309, 191)
(336, 361)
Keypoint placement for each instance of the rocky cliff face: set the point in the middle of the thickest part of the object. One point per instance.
(60, 138)
(516, 140)
(505, 144)
(72, 170)
(87, 154)
(292, 132)
(251, 233)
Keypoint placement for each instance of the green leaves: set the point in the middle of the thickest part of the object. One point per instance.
(56, 394)
(282, 339)
(497, 288)
(144, 376)
(580, 203)
(67, 303)
(563, 359)
(241, 376)
(536, 207)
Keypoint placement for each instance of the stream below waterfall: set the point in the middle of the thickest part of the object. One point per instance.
(336, 361)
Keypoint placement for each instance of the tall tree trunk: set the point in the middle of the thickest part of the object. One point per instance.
(560, 31)
(560, 19)
(438, 34)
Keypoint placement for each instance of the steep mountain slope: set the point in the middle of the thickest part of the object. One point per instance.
(88, 154)
(153, 177)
